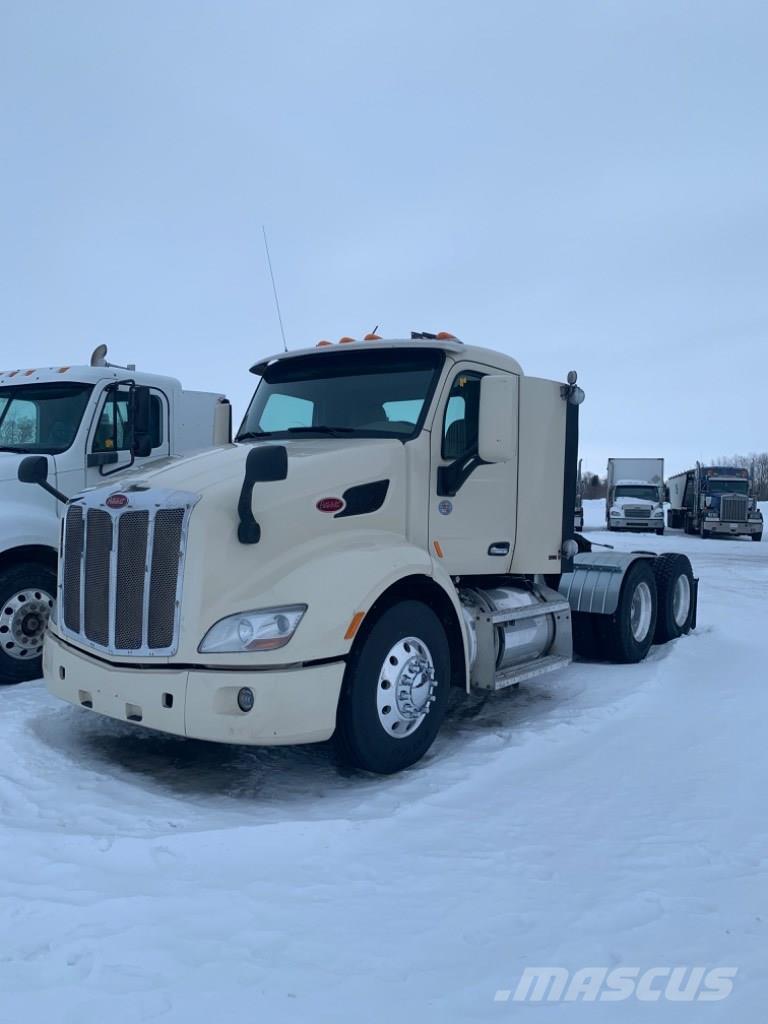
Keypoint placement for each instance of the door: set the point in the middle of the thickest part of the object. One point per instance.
(111, 434)
(471, 531)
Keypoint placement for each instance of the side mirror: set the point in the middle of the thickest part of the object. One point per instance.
(263, 465)
(34, 470)
(141, 418)
(497, 430)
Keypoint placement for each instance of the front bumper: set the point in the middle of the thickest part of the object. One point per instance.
(732, 529)
(291, 705)
(617, 523)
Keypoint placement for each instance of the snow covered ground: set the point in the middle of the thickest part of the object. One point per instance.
(612, 816)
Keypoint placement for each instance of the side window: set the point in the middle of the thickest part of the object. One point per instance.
(284, 411)
(462, 413)
(114, 430)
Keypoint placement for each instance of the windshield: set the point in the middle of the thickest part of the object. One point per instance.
(379, 393)
(41, 417)
(715, 486)
(645, 491)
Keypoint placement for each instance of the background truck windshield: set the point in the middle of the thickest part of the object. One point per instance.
(715, 486)
(645, 491)
(379, 393)
(41, 418)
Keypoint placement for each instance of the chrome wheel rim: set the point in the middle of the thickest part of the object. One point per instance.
(681, 599)
(23, 622)
(640, 612)
(405, 688)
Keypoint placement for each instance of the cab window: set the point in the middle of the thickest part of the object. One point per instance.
(462, 416)
(114, 430)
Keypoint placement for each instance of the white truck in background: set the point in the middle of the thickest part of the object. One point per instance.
(635, 495)
(91, 424)
(394, 520)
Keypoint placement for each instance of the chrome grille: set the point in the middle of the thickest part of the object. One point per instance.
(122, 571)
(733, 508)
(637, 512)
(70, 585)
(131, 576)
(165, 575)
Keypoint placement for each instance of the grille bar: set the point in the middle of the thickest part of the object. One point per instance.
(733, 508)
(122, 572)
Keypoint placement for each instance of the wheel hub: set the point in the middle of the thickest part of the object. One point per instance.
(406, 687)
(681, 599)
(23, 621)
(641, 612)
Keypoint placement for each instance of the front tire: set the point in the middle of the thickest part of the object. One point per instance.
(674, 585)
(26, 598)
(395, 691)
(757, 536)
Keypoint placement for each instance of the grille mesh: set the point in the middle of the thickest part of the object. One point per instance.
(131, 574)
(733, 508)
(97, 554)
(73, 546)
(165, 576)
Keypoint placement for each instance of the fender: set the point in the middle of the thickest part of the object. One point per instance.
(25, 526)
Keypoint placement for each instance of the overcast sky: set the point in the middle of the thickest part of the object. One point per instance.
(583, 185)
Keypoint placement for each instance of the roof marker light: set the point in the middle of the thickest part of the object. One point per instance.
(445, 336)
(346, 341)
(323, 344)
(372, 337)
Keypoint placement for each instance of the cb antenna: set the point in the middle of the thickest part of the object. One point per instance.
(274, 288)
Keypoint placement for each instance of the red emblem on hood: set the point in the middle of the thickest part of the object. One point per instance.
(117, 501)
(330, 505)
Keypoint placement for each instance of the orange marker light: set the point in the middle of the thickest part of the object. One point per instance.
(445, 336)
(354, 625)
(372, 337)
(346, 341)
(323, 344)
(438, 549)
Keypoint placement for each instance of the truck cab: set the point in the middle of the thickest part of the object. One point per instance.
(394, 519)
(714, 501)
(635, 495)
(92, 424)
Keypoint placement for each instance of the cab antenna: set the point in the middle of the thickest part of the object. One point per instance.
(274, 288)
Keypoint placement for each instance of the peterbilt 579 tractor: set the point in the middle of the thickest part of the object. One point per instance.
(714, 501)
(91, 423)
(394, 520)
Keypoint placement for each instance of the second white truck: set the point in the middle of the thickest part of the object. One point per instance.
(635, 495)
(91, 424)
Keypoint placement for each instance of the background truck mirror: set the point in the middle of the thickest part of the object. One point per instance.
(497, 434)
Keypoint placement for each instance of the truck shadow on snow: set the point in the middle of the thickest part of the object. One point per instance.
(196, 770)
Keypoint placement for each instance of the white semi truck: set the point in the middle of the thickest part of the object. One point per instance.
(635, 495)
(714, 501)
(394, 520)
(90, 423)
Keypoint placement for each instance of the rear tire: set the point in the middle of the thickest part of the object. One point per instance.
(627, 635)
(395, 691)
(27, 593)
(674, 586)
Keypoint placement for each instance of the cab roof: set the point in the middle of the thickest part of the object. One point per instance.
(455, 348)
(79, 375)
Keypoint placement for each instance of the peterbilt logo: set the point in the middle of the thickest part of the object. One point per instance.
(117, 501)
(330, 505)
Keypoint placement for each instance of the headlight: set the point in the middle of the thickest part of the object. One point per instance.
(263, 630)
(658, 512)
(711, 515)
(616, 512)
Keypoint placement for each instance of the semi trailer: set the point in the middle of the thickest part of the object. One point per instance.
(635, 495)
(90, 424)
(714, 501)
(394, 521)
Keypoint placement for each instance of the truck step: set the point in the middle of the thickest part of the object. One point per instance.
(519, 673)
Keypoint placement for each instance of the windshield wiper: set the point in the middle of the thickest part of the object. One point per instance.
(250, 435)
(322, 429)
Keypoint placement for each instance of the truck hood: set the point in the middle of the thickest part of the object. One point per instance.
(635, 503)
(9, 465)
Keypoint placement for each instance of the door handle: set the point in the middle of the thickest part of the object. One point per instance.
(500, 547)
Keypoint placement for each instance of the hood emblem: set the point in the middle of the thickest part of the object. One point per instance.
(329, 505)
(117, 501)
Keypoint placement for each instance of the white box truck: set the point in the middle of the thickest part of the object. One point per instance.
(90, 424)
(635, 495)
(394, 520)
